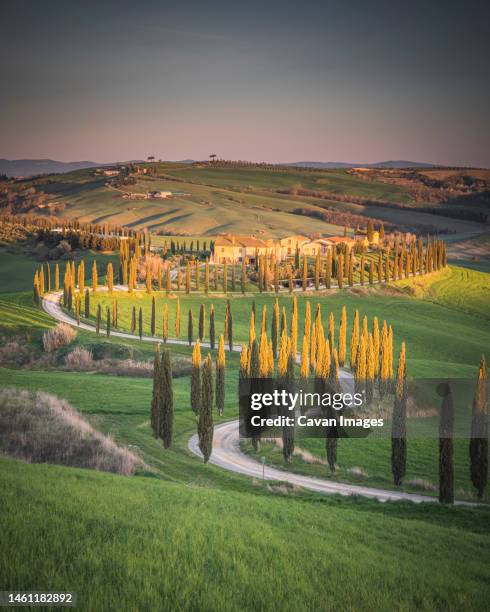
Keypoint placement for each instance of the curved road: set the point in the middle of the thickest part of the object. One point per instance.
(226, 444)
(227, 455)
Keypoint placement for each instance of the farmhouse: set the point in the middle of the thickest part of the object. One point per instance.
(230, 248)
(290, 243)
(160, 194)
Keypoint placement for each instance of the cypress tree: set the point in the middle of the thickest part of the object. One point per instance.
(226, 320)
(168, 283)
(97, 321)
(215, 271)
(202, 316)
(41, 280)
(354, 340)
(331, 329)
(233, 278)
(133, 320)
(305, 273)
(155, 414)
(140, 324)
(305, 359)
(196, 378)
(57, 277)
(340, 270)
(376, 345)
(94, 276)
(294, 327)
(225, 277)
(263, 356)
(479, 432)
(284, 322)
(179, 277)
(166, 400)
(37, 295)
(165, 323)
(110, 277)
(290, 280)
(114, 313)
(190, 327)
(243, 276)
(108, 322)
(361, 363)
(48, 276)
(285, 373)
(230, 329)
(361, 271)
(446, 432)
(187, 278)
(351, 269)
(197, 273)
(399, 427)
(220, 377)
(328, 270)
(205, 428)
(153, 316)
(87, 303)
(317, 271)
(77, 309)
(276, 277)
(263, 322)
(331, 441)
(212, 332)
(254, 373)
(206, 276)
(307, 323)
(177, 319)
(313, 347)
(251, 329)
(275, 327)
(342, 352)
(384, 365)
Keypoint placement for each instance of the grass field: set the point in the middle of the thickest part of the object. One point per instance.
(193, 536)
(233, 543)
(232, 200)
(457, 338)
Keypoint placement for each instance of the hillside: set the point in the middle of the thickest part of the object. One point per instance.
(213, 198)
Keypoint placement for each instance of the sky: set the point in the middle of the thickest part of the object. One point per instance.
(267, 81)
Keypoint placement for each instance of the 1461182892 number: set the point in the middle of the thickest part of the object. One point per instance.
(36, 598)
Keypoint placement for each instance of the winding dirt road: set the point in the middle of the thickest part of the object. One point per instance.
(227, 455)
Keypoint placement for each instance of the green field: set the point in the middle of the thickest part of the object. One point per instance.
(242, 201)
(193, 536)
(232, 543)
(457, 338)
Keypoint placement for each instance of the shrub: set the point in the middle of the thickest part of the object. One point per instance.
(41, 428)
(61, 335)
(79, 358)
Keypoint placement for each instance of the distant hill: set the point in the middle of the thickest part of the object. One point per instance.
(31, 167)
(383, 164)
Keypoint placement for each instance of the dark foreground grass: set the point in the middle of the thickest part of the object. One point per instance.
(139, 543)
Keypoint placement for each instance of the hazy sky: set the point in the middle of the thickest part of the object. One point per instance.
(267, 81)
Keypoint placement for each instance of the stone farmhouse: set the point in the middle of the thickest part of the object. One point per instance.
(233, 248)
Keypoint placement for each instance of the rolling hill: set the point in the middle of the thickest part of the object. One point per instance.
(214, 199)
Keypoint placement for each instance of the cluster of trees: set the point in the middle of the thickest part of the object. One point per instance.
(323, 352)
(202, 396)
(340, 266)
